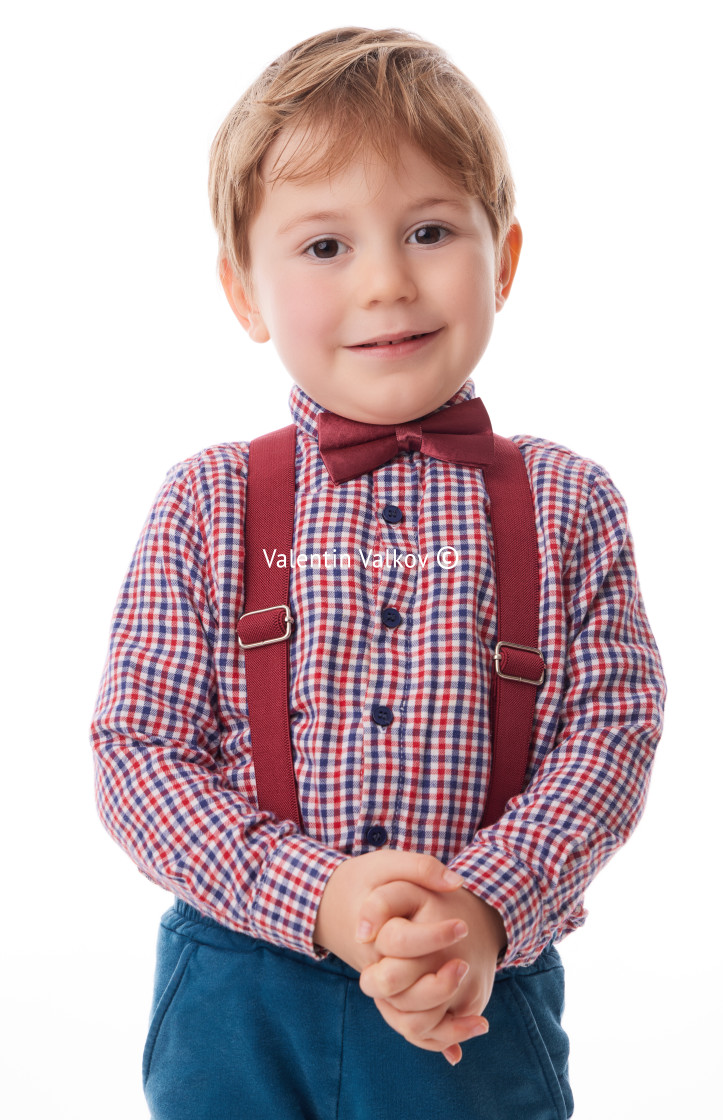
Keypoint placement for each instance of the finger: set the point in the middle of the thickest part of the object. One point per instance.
(389, 976)
(401, 938)
(415, 867)
(399, 898)
(430, 1030)
(453, 1054)
(472, 1004)
(395, 899)
(459, 1030)
(399, 983)
(454, 1029)
(416, 1027)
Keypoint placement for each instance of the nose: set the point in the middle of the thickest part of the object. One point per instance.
(385, 277)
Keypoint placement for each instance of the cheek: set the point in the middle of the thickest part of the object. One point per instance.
(302, 313)
(476, 300)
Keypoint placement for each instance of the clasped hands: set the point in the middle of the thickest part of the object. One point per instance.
(426, 948)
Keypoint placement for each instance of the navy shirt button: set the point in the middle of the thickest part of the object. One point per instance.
(382, 715)
(391, 617)
(376, 835)
(392, 514)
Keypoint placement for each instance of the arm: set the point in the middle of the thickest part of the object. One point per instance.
(174, 777)
(587, 793)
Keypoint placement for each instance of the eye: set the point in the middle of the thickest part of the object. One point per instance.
(429, 235)
(325, 249)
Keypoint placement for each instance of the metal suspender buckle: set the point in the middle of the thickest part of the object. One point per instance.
(525, 649)
(288, 619)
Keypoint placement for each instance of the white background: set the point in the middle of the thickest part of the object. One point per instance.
(123, 358)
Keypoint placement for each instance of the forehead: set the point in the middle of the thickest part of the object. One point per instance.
(302, 162)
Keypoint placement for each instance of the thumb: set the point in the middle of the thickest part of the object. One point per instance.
(435, 876)
(423, 870)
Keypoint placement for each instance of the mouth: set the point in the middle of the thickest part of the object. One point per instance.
(393, 340)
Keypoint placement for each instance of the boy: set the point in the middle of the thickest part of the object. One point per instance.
(364, 207)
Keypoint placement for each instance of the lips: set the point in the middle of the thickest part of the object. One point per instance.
(393, 340)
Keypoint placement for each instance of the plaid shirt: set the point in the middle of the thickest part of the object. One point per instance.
(390, 665)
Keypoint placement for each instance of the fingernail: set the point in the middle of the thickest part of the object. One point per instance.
(363, 931)
(460, 930)
(462, 970)
(452, 878)
(481, 1028)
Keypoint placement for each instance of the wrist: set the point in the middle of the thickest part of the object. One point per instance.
(498, 930)
(328, 909)
(493, 925)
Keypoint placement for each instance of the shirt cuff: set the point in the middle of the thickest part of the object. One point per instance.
(285, 903)
(499, 879)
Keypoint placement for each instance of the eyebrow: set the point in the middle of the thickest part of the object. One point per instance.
(324, 216)
(316, 216)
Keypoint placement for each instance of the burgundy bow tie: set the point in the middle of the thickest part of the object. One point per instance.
(459, 434)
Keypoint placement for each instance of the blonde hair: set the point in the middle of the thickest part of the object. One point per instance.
(353, 89)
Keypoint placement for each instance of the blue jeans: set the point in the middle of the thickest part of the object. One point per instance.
(242, 1030)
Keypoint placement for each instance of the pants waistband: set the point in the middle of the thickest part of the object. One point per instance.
(188, 922)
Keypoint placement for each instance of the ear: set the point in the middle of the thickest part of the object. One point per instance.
(242, 305)
(509, 258)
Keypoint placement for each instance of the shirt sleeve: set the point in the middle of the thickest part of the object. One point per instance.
(586, 795)
(166, 790)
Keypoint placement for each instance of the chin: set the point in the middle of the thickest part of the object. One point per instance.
(386, 416)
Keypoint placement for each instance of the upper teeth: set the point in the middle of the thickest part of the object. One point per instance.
(393, 342)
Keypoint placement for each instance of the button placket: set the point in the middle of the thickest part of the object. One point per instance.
(396, 491)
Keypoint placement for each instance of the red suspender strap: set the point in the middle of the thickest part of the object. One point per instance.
(519, 667)
(263, 630)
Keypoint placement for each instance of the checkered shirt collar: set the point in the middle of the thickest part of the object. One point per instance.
(305, 411)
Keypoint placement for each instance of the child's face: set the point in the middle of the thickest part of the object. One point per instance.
(374, 255)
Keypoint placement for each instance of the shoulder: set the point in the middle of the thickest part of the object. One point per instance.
(214, 465)
(201, 493)
(559, 464)
(567, 473)
(214, 475)
(573, 493)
